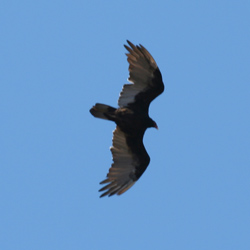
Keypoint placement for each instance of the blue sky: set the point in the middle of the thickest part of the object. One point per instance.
(58, 58)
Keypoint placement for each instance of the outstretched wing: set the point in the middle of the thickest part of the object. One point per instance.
(145, 77)
(130, 161)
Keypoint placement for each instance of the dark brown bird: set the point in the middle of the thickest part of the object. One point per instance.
(130, 158)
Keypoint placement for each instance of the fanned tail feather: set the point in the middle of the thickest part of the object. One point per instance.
(102, 111)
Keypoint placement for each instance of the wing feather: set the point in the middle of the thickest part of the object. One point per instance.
(145, 77)
(129, 162)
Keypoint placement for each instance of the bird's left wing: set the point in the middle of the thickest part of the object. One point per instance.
(145, 77)
(130, 161)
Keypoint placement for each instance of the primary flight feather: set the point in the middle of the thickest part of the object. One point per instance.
(130, 158)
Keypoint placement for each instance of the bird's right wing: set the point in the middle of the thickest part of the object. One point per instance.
(130, 161)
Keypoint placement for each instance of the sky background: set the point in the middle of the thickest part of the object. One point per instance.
(58, 58)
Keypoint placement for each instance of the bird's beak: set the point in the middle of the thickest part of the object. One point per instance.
(156, 126)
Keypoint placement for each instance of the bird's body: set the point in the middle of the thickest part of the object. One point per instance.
(131, 121)
(129, 154)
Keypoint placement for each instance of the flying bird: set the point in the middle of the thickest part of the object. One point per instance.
(130, 158)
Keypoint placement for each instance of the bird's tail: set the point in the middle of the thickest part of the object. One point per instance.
(103, 111)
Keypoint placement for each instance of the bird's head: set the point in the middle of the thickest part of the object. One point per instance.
(152, 124)
(155, 125)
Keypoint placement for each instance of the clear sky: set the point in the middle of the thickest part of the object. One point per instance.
(58, 58)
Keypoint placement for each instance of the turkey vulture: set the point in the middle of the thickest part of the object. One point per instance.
(130, 158)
